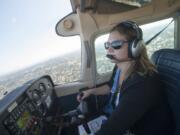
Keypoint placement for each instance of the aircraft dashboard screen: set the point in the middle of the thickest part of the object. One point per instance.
(23, 120)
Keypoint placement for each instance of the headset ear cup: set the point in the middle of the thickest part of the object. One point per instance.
(130, 50)
(136, 48)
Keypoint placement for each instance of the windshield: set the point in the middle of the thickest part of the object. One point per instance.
(28, 37)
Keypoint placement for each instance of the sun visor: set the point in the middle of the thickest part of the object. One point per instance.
(68, 26)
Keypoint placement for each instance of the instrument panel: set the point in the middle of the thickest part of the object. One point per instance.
(24, 110)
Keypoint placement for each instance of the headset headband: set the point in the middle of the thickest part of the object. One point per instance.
(133, 25)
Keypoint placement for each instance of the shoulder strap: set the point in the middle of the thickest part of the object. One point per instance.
(157, 34)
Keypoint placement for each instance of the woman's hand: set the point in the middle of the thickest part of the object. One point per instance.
(84, 94)
(102, 90)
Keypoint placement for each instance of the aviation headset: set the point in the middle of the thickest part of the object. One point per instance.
(135, 46)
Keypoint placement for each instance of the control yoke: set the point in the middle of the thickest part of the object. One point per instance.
(80, 111)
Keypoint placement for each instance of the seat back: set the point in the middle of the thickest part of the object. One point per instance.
(168, 65)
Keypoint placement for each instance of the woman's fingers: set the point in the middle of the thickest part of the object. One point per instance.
(82, 95)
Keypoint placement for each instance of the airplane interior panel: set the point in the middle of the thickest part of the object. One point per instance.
(24, 111)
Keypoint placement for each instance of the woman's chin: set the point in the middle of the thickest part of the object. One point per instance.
(114, 61)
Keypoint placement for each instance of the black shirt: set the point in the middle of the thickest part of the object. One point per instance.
(142, 108)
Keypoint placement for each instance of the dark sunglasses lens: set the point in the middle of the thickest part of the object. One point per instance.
(117, 44)
(117, 47)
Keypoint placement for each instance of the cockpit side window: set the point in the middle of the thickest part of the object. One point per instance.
(164, 40)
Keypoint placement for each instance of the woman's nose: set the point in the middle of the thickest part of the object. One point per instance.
(110, 49)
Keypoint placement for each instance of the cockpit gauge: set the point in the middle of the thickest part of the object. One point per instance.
(42, 89)
(36, 97)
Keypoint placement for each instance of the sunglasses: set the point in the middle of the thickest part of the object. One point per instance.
(117, 44)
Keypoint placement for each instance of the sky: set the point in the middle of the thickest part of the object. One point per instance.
(27, 32)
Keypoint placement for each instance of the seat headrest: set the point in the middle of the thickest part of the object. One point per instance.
(168, 66)
(167, 55)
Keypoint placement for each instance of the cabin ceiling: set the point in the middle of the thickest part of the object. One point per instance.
(107, 6)
(101, 15)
